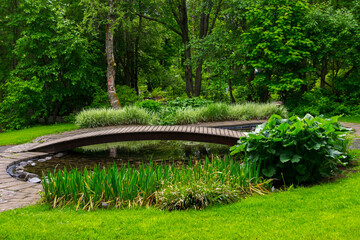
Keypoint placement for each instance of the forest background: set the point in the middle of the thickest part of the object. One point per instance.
(59, 57)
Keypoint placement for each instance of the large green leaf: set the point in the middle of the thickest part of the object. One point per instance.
(286, 156)
(269, 172)
(296, 158)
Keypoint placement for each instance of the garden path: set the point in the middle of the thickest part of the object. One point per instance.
(15, 193)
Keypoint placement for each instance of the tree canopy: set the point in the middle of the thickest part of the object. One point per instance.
(58, 57)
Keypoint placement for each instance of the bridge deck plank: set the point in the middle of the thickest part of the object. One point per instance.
(177, 132)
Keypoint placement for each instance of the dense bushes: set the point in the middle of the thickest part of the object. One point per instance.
(150, 105)
(165, 186)
(296, 150)
(322, 102)
(149, 112)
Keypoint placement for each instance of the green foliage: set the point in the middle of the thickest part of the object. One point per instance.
(111, 117)
(127, 95)
(179, 113)
(181, 103)
(182, 196)
(296, 150)
(157, 93)
(224, 112)
(250, 111)
(100, 99)
(325, 211)
(276, 42)
(176, 110)
(54, 74)
(351, 119)
(201, 185)
(322, 102)
(150, 105)
(20, 107)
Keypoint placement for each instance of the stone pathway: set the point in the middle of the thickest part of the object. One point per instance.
(15, 193)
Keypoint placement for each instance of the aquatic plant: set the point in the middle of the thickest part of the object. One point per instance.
(196, 185)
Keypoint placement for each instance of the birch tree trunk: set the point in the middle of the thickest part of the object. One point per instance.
(109, 48)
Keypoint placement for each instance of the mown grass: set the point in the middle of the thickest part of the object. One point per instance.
(328, 211)
(352, 119)
(28, 134)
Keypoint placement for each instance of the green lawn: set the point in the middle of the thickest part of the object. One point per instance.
(26, 135)
(352, 119)
(328, 211)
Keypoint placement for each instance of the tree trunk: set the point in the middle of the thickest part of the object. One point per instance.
(203, 32)
(136, 61)
(183, 24)
(109, 48)
(188, 71)
(230, 91)
(323, 74)
(198, 78)
(249, 80)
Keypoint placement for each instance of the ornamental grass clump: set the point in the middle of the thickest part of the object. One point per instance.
(166, 186)
(111, 117)
(296, 150)
(249, 111)
(177, 112)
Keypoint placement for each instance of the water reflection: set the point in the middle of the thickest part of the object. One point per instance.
(131, 153)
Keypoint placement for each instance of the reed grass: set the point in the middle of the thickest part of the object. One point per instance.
(196, 185)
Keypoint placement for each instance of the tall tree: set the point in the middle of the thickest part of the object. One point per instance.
(175, 16)
(109, 49)
(54, 74)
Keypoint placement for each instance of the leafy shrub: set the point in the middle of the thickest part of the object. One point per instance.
(127, 95)
(189, 102)
(101, 100)
(23, 104)
(182, 196)
(157, 93)
(296, 150)
(321, 102)
(150, 105)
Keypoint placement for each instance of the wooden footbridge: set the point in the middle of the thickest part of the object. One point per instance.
(138, 133)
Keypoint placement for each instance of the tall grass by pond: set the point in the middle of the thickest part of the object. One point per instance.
(223, 112)
(109, 117)
(166, 186)
(211, 112)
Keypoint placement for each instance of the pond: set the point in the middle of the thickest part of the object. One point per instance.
(122, 153)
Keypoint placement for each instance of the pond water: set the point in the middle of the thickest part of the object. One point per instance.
(122, 153)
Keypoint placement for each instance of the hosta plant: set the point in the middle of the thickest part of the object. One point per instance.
(296, 150)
